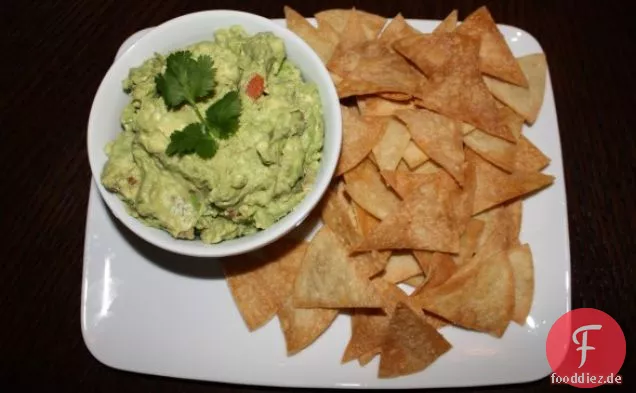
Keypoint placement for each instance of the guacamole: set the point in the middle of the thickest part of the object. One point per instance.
(257, 175)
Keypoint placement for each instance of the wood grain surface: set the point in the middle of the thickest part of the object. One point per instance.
(54, 55)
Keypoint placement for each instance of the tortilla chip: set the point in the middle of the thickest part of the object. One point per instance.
(338, 18)
(389, 150)
(529, 158)
(344, 59)
(448, 24)
(328, 34)
(359, 135)
(299, 25)
(469, 240)
(510, 119)
(495, 186)
(378, 106)
(439, 137)
(302, 326)
(495, 56)
(523, 272)
(415, 281)
(396, 29)
(259, 283)
(368, 328)
(406, 182)
(429, 52)
(526, 102)
(424, 221)
(479, 296)
(515, 213)
(496, 150)
(438, 267)
(335, 213)
(414, 156)
(458, 91)
(368, 357)
(401, 266)
(410, 344)
(378, 69)
(328, 279)
(496, 236)
(365, 186)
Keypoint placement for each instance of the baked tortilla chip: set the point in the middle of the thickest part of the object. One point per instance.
(497, 234)
(529, 158)
(328, 279)
(479, 296)
(414, 156)
(449, 23)
(525, 101)
(429, 52)
(338, 18)
(324, 47)
(365, 186)
(510, 119)
(406, 182)
(366, 223)
(495, 186)
(426, 220)
(401, 266)
(259, 283)
(457, 89)
(379, 69)
(469, 240)
(359, 135)
(344, 58)
(302, 326)
(496, 150)
(523, 272)
(396, 29)
(410, 344)
(368, 328)
(495, 56)
(438, 267)
(439, 137)
(378, 106)
(390, 148)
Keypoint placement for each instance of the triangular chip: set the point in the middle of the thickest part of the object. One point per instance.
(343, 59)
(259, 283)
(458, 91)
(368, 328)
(498, 232)
(479, 296)
(529, 158)
(439, 137)
(406, 182)
(401, 265)
(359, 135)
(299, 25)
(365, 186)
(410, 345)
(510, 119)
(495, 57)
(328, 279)
(525, 101)
(396, 29)
(414, 156)
(378, 106)
(523, 272)
(390, 148)
(379, 69)
(426, 220)
(438, 267)
(495, 186)
(448, 24)
(496, 150)
(337, 18)
(469, 240)
(302, 326)
(429, 52)
(366, 223)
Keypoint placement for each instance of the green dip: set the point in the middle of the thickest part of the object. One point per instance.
(257, 176)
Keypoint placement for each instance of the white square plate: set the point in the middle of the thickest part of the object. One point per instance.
(149, 311)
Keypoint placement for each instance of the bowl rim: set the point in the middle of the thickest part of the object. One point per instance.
(241, 245)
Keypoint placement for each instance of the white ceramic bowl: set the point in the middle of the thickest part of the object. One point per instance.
(104, 122)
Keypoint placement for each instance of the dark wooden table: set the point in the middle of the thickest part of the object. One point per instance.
(54, 56)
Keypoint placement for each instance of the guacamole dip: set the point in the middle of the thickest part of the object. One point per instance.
(256, 176)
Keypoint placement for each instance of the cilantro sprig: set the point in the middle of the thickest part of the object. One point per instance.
(186, 81)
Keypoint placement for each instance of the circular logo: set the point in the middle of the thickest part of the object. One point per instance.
(586, 348)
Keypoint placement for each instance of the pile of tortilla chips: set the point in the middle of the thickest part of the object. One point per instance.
(428, 193)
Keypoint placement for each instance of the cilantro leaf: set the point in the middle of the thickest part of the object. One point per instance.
(186, 79)
(223, 116)
(193, 138)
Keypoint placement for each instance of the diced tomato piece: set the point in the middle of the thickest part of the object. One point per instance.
(255, 87)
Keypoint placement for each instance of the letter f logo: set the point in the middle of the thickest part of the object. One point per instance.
(584, 347)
